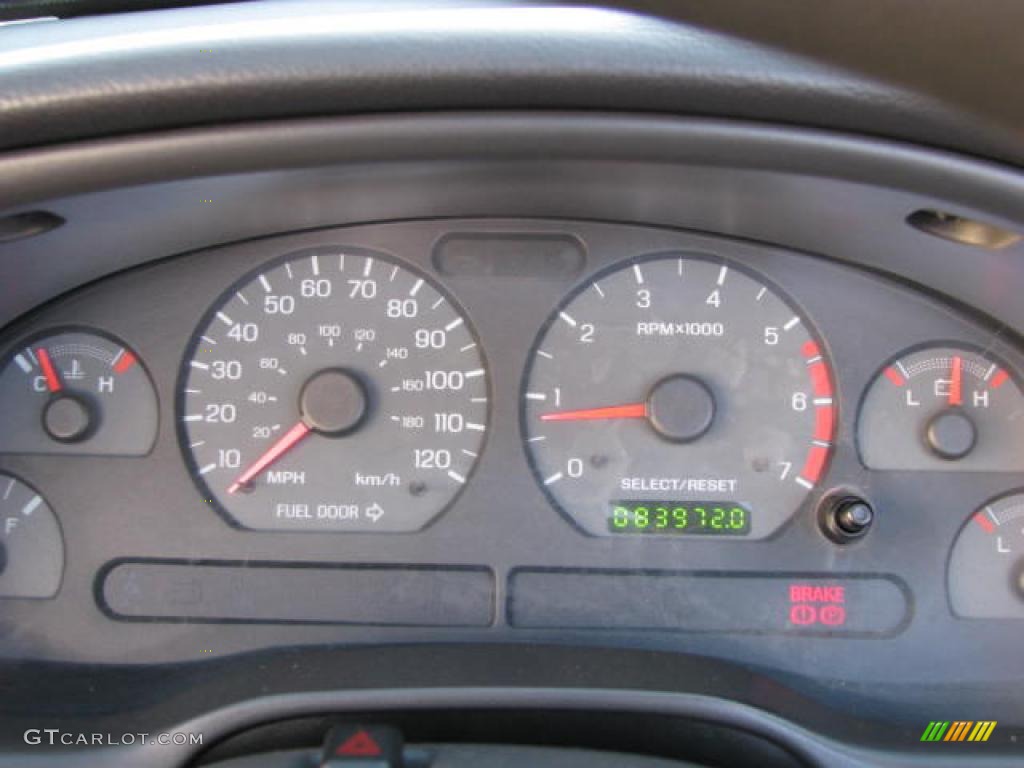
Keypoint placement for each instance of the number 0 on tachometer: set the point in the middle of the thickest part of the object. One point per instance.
(678, 395)
(333, 390)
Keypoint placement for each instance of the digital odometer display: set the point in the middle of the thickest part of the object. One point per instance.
(334, 389)
(673, 518)
(683, 378)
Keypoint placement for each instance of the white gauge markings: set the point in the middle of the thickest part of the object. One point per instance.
(267, 448)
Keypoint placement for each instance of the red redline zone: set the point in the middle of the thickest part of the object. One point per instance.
(895, 377)
(127, 361)
(984, 522)
(824, 423)
(824, 415)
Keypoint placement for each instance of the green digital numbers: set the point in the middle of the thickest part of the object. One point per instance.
(668, 518)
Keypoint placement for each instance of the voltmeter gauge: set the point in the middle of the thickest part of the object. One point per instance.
(76, 392)
(943, 408)
(986, 568)
(31, 545)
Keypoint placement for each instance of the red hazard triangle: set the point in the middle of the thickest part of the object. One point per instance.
(359, 744)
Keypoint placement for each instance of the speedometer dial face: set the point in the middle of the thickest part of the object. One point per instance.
(678, 395)
(333, 390)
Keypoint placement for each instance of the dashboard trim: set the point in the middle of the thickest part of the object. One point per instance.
(814, 749)
(763, 183)
(793, 187)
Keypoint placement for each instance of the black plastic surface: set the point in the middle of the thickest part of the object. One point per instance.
(811, 62)
(464, 756)
(814, 604)
(502, 520)
(908, 537)
(820, 193)
(276, 593)
(28, 224)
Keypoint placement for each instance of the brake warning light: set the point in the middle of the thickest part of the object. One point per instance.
(817, 605)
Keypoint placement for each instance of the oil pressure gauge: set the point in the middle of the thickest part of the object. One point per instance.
(76, 392)
(943, 408)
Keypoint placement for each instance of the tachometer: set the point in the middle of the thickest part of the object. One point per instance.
(333, 390)
(678, 395)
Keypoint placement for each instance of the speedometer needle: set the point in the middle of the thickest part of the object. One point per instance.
(288, 440)
(956, 384)
(631, 411)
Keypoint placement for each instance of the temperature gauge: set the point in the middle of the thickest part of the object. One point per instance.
(943, 408)
(31, 545)
(76, 392)
(986, 569)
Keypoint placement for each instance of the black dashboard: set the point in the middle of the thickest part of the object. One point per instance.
(678, 418)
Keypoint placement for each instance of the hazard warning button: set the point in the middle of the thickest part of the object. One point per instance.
(362, 746)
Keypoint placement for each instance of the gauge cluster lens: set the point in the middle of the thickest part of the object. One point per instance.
(678, 395)
(76, 392)
(334, 390)
(943, 408)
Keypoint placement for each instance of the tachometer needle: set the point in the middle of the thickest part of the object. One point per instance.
(956, 384)
(49, 372)
(631, 411)
(288, 440)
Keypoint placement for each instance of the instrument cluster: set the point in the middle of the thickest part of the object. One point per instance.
(699, 422)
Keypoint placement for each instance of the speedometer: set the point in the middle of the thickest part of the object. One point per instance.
(334, 389)
(678, 395)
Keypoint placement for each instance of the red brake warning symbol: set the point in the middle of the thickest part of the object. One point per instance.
(359, 744)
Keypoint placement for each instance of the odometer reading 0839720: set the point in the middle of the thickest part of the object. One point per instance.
(333, 390)
(678, 395)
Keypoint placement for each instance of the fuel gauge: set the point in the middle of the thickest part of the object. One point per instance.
(76, 392)
(943, 408)
(31, 545)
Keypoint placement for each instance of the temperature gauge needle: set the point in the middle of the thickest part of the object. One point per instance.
(631, 411)
(49, 372)
(288, 440)
(956, 384)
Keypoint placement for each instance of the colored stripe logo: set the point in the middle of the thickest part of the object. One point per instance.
(959, 730)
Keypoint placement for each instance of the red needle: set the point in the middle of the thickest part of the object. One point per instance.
(288, 440)
(52, 379)
(956, 385)
(631, 411)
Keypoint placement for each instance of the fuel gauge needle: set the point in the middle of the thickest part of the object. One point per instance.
(288, 440)
(956, 384)
(49, 372)
(630, 411)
